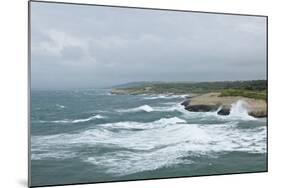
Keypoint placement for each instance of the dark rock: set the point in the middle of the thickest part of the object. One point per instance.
(201, 108)
(224, 111)
(185, 103)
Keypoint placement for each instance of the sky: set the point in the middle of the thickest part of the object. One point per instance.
(75, 46)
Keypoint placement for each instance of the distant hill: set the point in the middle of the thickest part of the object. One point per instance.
(147, 83)
(134, 84)
(249, 88)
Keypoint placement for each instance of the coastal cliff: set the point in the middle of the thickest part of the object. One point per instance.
(208, 96)
(222, 104)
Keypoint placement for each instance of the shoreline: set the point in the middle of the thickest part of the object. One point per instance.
(213, 102)
(208, 96)
(222, 104)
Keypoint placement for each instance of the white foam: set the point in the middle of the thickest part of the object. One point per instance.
(150, 125)
(164, 142)
(240, 110)
(170, 103)
(60, 106)
(52, 155)
(119, 164)
(145, 108)
(79, 120)
(175, 107)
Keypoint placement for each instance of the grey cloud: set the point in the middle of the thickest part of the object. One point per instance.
(89, 46)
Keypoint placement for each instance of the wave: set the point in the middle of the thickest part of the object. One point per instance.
(75, 120)
(60, 106)
(145, 108)
(163, 122)
(53, 155)
(240, 110)
(169, 140)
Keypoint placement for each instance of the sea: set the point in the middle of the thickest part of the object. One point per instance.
(90, 136)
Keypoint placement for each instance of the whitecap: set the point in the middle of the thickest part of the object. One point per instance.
(60, 106)
(169, 140)
(77, 120)
(163, 122)
(145, 108)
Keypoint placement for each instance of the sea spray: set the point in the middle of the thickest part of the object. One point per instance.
(240, 110)
(137, 142)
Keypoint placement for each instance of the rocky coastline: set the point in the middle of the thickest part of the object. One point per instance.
(214, 102)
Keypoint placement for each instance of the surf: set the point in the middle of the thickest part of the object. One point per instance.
(65, 121)
(240, 110)
(144, 108)
(148, 108)
(169, 140)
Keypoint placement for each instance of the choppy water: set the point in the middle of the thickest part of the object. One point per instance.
(91, 136)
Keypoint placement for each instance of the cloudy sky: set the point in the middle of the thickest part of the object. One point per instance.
(74, 46)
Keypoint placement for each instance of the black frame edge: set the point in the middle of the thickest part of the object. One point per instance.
(29, 90)
(145, 8)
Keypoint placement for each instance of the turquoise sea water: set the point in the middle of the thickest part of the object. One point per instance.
(80, 136)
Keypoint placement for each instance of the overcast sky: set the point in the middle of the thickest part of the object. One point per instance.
(76, 46)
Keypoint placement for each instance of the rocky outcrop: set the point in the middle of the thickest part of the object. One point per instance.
(201, 108)
(258, 113)
(213, 102)
(224, 111)
(186, 102)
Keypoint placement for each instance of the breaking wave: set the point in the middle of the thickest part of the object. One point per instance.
(60, 106)
(75, 120)
(137, 145)
(240, 110)
(145, 108)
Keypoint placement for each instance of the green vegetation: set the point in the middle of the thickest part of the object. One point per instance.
(244, 93)
(252, 89)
